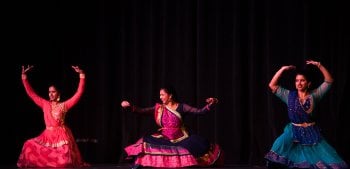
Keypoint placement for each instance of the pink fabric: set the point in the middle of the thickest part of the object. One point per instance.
(135, 149)
(172, 156)
(141, 147)
(170, 123)
(55, 146)
(166, 161)
(152, 155)
(35, 155)
(45, 105)
(214, 156)
(160, 156)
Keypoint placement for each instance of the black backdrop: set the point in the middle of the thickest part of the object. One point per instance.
(128, 49)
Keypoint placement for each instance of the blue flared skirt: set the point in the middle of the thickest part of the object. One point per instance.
(295, 155)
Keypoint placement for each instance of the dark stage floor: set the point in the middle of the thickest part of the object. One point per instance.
(116, 166)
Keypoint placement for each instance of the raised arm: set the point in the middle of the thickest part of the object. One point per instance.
(274, 81)
(75, 98)
(28, 88)
(26, 69)
(326, 75)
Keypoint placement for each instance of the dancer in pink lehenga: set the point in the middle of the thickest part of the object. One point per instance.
(55, 146)
(173, 146)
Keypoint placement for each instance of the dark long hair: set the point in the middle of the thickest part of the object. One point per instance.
(171, 91)
(309, 72)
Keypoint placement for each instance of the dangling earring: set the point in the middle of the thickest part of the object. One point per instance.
(308, 87)
(58, 98)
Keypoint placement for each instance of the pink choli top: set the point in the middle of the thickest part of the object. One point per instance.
(56, 133)
(171, 123)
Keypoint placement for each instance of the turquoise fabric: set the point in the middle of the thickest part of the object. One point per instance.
(291, 154)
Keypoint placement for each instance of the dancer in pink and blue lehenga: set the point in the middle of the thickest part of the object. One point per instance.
(173, 146)
(301, 145)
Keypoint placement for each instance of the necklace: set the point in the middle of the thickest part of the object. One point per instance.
(303, 101)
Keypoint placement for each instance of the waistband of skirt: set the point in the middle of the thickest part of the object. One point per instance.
(304, 124)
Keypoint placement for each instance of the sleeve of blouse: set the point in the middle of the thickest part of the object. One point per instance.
(320, 91)
(75, 98)
(282, 93)
(31, 93)
(193, 110)
(147, 110)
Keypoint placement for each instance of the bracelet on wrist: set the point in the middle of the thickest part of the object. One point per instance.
(81, 75)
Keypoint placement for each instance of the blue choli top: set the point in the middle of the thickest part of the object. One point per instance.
(300, 113)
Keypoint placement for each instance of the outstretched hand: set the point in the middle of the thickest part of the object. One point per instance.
(312, 62)
(125, 104)
(26, 69)
(77, 69)
(212, 100)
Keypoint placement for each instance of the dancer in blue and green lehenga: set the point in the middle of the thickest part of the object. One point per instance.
(301, 145)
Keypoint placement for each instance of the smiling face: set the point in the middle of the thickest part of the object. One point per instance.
(301, 83)
(164, 96)
(54, 95)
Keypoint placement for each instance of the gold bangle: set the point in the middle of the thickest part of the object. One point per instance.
(319, 64)
(82, 75)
